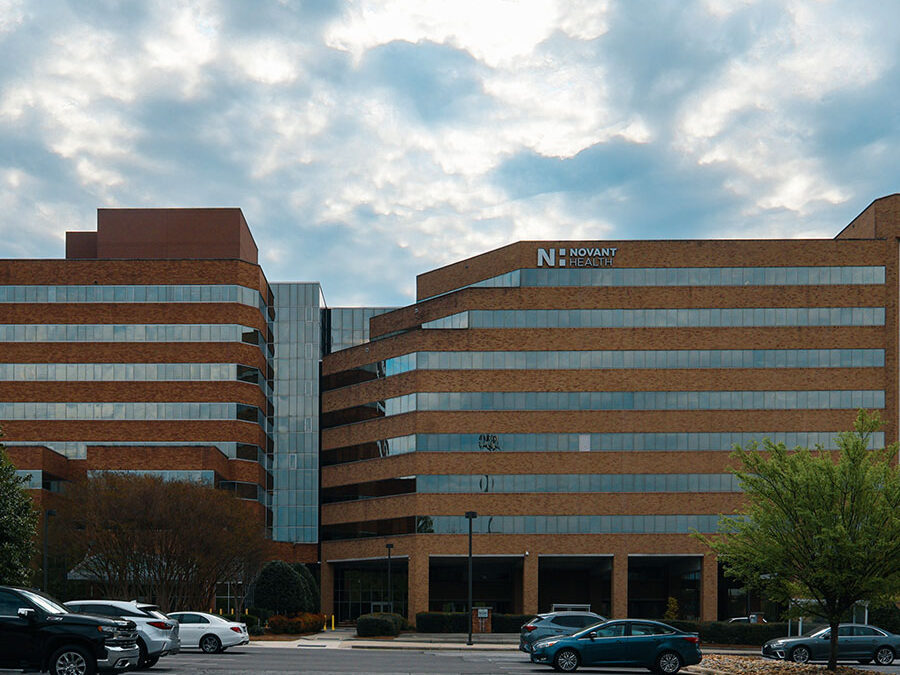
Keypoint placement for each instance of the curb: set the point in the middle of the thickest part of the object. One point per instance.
(433, 646)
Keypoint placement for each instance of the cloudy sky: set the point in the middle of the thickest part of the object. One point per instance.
(368, 142)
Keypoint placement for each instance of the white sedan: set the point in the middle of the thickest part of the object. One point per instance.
(209, 632)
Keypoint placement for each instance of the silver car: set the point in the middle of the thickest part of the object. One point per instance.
(858, 642)
(157, 633)
(555, 624)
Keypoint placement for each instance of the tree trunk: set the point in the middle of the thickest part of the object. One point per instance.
(833, 651)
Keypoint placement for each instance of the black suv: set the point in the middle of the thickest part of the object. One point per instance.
(38, 633)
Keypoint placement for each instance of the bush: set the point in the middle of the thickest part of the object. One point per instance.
(724, 633)
(508, 623)
(372, 625)
(255, 630)
(310, 587)
(262, 614)
(294, 625)
(442, 622)
(886, 617)
(279, 588)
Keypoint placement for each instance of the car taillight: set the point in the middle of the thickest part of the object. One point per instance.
(162, 625)
(236, 629)
(529, 627)
(693, 638)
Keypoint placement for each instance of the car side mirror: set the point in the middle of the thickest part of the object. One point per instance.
(593, 635)
(826, 637)
(26, 613)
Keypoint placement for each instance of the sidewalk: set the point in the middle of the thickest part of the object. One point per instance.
(346, 638)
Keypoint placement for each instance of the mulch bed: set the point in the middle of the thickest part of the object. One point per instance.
(745, 665)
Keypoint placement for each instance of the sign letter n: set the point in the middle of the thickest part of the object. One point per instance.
(545, 257)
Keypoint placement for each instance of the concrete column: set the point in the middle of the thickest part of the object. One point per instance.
(326, 588)
(417, 589)
(709, 588)
(530, 584)
(620, 586)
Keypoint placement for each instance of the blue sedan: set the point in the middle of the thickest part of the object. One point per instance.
(625, 642)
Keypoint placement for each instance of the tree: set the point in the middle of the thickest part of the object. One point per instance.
(817, 527)
(172, 542)
(672, 610)
(279, 589)
(18, 520)
(310, 588)
(247, 568)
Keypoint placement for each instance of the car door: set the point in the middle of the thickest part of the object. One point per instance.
(18, 640)
(848, 643)
(866, 639)
(192, 628)
(642, 642)
(607, 644)
(821, 646)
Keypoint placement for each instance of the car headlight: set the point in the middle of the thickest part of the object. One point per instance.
(777, 643)
(548, 643)
(106, 629)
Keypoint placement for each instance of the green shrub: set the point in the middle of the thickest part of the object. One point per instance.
(508, 623)
(886, 617)
(279, 588)
(255, 630)
(295, 625)
(263, 614)
(373, 625)
(310, 587)
(725, 633)
(442, 622)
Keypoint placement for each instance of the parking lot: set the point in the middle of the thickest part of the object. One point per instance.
(252, 659)
(325, 661)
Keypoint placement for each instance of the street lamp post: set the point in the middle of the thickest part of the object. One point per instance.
(390, 595)
(47, 514)
(470, 516)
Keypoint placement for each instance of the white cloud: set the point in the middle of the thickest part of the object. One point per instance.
(555, 119)
(746, 117)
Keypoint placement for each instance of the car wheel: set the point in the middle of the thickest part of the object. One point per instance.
(72, 660)
(142, 655)
(566, 660)
(210, 644)
(668, 663)
(149, 663)
(884, 656)
(800, 654)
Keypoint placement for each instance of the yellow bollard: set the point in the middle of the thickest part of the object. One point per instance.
(332, 622)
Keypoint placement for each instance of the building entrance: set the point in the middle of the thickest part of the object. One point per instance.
(575, 580)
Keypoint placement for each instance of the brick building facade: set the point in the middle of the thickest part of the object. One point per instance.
(581, 397)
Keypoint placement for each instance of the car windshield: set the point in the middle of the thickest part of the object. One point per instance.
(815, 631)
(589, 629)
(45, 603)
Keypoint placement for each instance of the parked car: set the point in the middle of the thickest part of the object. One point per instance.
(747, 619)
(625, 642)
(555, 623)
(157, 633)
(858, 642)
(38, 633)
(209, 632)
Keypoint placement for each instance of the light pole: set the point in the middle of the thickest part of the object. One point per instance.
(47, 514)
(390, 595)
(470, 516)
